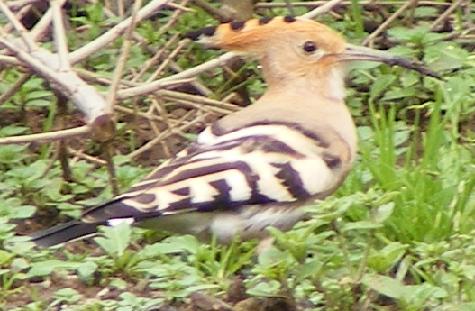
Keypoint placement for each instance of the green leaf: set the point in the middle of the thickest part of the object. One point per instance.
(86, 270)
(399, 93)
(309, 269)
(5, 257)
(116, 239)
(385, 285)
(265, 289)
(383, 212)
(360, 225)
(384, 259)
(43, 268)
(13, 153)
(380, 85)
(11, 130)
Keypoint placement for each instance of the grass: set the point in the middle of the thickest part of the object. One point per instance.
(398, 234)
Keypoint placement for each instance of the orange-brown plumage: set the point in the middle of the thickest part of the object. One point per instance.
(256, 37)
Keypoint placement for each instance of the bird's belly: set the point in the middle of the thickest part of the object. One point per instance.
(252, 221)
(247, 223)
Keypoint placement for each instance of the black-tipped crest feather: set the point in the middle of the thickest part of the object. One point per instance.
(195, 35)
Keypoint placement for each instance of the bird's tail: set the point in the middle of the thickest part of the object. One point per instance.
(63, 233)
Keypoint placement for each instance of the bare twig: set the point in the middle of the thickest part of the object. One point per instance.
(116, 77)
(108, 155)
(199, 99)
(165, 134)
(17, 5)
(173, 19)
(311, 4)
(63, 144)
(148, 88)
(19, 15)
(42, 26)
(44, 63)
(321, 9)
(387, 22)
(192, 72)
(84, 156)
(198, 85)
(27, 40)
(8, 60)
(108, 147)
(48, 136)
(147, 116)
(152, 61)
(167, 60)
(115, 32)
(14, 88)
(220, 15)
(60, 36)
(446, 14)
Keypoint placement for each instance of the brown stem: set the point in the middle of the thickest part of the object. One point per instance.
(63, 144)
(108, 152)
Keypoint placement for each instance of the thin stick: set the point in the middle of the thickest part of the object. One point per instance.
(321, 9)
(164, 135)
(25, 35)
(166, 62)
(14, 88)
(60, 36)
(216, 13)
(48, 136)
(271, 5)
(199, 99)
(116, 77)
(19, 15)
(108, 155)
(446, 14)
(115, 32)
(143, 114)
(192, 72)
(172, 20)
(42, 26)
(387, 22)
(16, 5)
(108, 147)
(84, 156)
(148, 88)
(156, 57)
(84, 96)
(63, 144)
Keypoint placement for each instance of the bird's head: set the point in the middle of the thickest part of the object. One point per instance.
(290, 48)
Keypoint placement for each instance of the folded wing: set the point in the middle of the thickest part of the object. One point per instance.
(254, 165)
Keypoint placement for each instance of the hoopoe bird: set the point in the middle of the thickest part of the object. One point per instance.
(259, 166)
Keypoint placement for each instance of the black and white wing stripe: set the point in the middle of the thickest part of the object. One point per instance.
(254, 165)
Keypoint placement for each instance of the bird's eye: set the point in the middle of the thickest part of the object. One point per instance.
(309, 47)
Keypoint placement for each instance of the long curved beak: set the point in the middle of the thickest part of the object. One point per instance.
(355, 52)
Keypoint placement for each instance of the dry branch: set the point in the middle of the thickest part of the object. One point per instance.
(321, 9)
(115, 32)
(47, 136)
(151, 87)
(446, 14)
(388, 21)
(14, 88)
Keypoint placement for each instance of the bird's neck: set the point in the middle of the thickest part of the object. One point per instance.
(326, 84)
(318, 100)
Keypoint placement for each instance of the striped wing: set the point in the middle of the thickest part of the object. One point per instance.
(254, 165)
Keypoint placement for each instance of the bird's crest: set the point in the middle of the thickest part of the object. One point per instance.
(255, 33)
